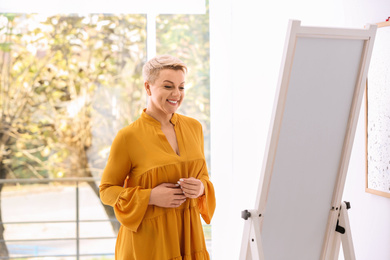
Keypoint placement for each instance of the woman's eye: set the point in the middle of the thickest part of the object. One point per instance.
(181, 88)
(167, 86)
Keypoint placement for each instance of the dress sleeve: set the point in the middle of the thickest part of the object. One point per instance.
(130, 204)
(207, 202)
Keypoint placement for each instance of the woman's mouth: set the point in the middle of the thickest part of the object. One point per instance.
(174, 102)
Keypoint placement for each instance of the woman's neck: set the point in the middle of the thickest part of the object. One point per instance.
(164, 119)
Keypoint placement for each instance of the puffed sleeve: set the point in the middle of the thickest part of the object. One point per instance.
(130, 204)
(207, 202)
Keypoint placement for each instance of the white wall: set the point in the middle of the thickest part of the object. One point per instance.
(369, 214)
(247, 39)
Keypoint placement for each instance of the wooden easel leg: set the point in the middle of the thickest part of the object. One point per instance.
(335, 247)
(255, 240)
(346, 238)
(340, 235)
(251, 247)
(245, 245)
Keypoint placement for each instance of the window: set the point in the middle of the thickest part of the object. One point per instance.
(70, 82)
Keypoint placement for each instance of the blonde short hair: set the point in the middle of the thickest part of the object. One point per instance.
(152, 68)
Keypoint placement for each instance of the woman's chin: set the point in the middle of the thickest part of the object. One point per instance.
(171, 109)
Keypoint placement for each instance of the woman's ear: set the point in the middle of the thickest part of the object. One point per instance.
(147, 88)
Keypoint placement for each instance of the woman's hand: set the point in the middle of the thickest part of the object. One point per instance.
(192, 188)
(167, 195)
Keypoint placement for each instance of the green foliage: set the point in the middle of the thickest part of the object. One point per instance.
(5, 47)
(59, 74)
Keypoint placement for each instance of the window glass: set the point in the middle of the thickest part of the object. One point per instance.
(68, 84)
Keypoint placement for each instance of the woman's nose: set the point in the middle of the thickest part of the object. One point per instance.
(176, 92)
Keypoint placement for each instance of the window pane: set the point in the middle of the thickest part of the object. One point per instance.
(69, 83)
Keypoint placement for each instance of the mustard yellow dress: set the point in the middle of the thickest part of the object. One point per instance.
(140, 159)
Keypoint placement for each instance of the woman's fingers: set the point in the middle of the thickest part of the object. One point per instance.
(170, 185)
(167, 195)
(178, 196)
(192, 188)
(171, 195)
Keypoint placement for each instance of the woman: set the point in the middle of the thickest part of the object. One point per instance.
(156, 176)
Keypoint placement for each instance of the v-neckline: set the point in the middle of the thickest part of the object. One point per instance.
(178, 146)
(169, 144)
(156, 123)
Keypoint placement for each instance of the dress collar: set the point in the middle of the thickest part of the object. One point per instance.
(155, 122)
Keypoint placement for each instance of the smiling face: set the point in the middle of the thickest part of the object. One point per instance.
(166, 93)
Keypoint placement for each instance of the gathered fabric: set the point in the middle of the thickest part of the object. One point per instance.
(140, 159)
